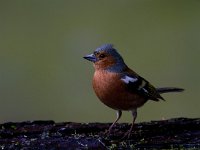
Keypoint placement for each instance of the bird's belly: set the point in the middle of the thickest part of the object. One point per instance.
(120, 101)
(114, 94)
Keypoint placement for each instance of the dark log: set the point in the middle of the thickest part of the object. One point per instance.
(180, 133)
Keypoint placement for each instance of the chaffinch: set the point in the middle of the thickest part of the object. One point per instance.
(119, 87)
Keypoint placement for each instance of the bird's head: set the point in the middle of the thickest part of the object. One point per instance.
(106, 58)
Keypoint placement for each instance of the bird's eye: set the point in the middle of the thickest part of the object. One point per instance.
(102, 55)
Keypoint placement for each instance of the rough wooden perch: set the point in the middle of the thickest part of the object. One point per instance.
(178, 133)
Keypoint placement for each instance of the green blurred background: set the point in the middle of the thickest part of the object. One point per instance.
(42, 42)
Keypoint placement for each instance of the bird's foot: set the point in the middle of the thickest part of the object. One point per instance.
(126, 135)
(109, 132)
(106, 133)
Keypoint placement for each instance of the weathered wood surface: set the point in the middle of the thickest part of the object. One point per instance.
(180, 133)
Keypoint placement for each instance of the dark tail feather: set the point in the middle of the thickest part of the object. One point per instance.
(168, 89)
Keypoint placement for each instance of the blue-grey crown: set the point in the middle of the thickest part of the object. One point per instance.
(105, 47)
(108, 48)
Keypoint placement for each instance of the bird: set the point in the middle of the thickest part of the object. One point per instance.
(119, 87)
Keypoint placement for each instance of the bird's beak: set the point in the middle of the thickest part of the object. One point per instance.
(91, 58)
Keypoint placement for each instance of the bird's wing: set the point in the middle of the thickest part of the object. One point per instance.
(139, 85)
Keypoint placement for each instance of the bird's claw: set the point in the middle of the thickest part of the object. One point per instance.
(126, 135)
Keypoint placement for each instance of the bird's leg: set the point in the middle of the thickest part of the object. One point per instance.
(134, 115)
(119, 114)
